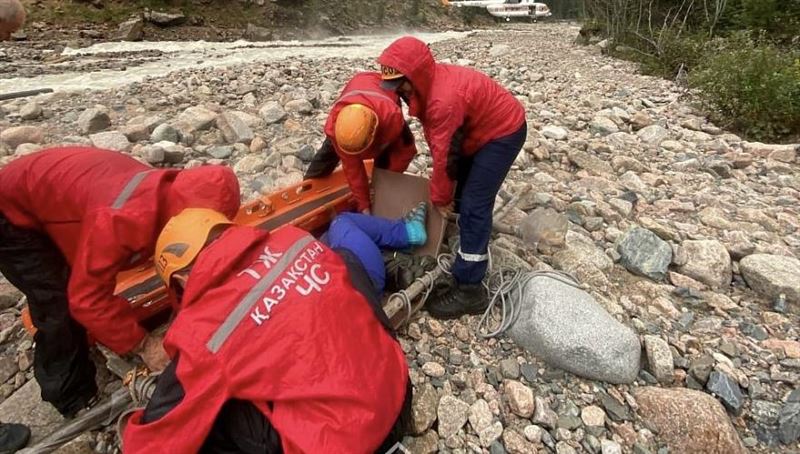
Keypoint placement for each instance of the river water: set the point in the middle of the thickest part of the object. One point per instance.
(176, 56)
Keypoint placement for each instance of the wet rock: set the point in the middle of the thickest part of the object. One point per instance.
(565, 327)
(593, 416)
(509, 367)
(256, 33)
(433, 369)
(772, 275)
(250, 164)
(589, 162)
(272, 112)
(453, 414)
(490, 434)
(93, 120)
(80, 445)
(301, 106)
(18, 135)
(426, 444)
(165, 132)
(131, 30)
(533, 433)
(603, 126)
(706, 261)
(480, 416)
(789, 348)
(234, 129)
(789, 422)
(569, 422)
(688, 421)
(423, 409)
(727, 390)
(659, 358)
(110, 140)
(516, 443)
(165, 19)
(545, 228)
(520, 398)
(543, 415)
(617, 411)
(554, 132)
(641, 120)
(153, 154)
(642, 252)
(31, 111)
(563, 448)
(26, 407)
(610, 447)
(653, 134)
(8, 367)
(195, 118)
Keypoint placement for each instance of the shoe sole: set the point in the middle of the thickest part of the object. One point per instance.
(439, 316)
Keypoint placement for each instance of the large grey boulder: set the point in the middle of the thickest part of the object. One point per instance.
(642, 252)
(772, 275)
(565, 327)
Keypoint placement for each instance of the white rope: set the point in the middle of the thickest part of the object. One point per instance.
(505, 287)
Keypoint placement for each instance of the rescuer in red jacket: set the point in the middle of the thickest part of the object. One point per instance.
(475, 129)
(71, 218)
(365, 123)
(280, 343)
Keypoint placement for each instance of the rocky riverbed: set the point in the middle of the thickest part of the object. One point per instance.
(681, 231)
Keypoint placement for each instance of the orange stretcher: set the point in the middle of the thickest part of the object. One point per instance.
(310, 205)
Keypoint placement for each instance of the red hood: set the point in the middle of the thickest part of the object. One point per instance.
(213, 187)
(414, 59)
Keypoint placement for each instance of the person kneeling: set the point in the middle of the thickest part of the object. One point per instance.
(280, 343)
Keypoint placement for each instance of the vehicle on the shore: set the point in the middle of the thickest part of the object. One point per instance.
(507, 9)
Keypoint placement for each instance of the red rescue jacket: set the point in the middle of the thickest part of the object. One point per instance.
(365, 88)
(104, 211)
(273, 319)
(448, 98)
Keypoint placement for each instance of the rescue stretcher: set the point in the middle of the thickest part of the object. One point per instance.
(310, 205)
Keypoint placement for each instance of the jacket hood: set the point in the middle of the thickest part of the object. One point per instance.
(214, 187)
(414, 59)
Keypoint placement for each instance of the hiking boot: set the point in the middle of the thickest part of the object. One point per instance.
(415, 224)
(454, 300)
(402, 269)
(13, 437)
(82, 407)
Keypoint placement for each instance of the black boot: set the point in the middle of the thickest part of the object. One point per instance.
(402, 269)
(13, 437)
(454, 300)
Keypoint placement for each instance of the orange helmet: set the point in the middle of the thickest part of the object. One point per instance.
(182, 239)
(355, 128)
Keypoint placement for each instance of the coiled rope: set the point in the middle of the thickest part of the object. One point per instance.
(503, 285)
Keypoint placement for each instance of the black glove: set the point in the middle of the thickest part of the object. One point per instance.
(324, 161)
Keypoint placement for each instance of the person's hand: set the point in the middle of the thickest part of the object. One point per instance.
(152, 352)
(445, 210)
(366, 211)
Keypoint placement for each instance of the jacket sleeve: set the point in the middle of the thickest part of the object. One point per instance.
(402, 151)
(101, 255)
(357, 178)
(443, 121)
(185, 426)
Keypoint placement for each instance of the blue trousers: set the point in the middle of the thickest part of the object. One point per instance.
(479, 180)
(364, 236)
